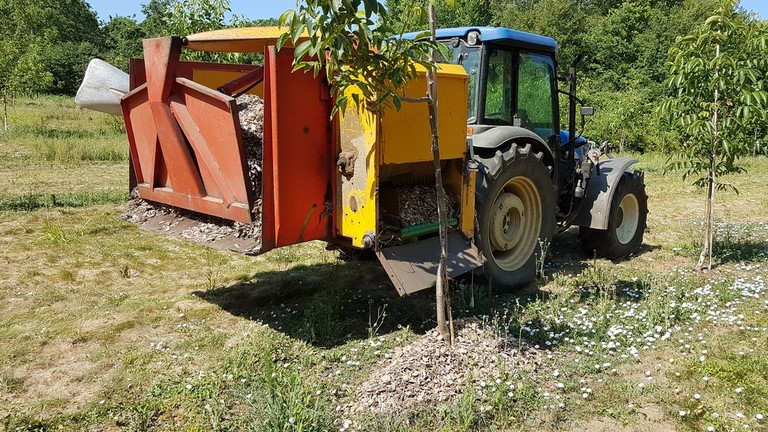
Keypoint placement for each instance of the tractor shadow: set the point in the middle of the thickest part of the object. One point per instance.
(326, 305)
(566, 251)
(331, 304)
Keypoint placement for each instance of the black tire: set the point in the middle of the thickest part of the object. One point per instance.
(626, 222)
(513, 185)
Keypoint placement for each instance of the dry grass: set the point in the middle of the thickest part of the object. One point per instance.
(107, 327)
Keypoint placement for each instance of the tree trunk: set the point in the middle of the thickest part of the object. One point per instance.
(621, 142)
(709, 239)
(754, 151)
(709, 232)
(442, 291)
(5, 111)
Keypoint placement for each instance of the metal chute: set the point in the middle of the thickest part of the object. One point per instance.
(232, 40)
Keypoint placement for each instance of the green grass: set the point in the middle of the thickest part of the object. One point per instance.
(104, 326)
(53, 129)
(32, 202)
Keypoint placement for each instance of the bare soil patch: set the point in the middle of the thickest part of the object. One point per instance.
(62, 371)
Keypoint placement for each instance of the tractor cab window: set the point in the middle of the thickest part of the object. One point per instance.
(500, 82)
(535, 107)
(468, 57)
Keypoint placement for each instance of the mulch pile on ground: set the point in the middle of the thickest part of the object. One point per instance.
(209, 230)
(428, 371)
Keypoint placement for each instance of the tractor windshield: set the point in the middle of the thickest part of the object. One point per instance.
(468, 57)
(519, 90)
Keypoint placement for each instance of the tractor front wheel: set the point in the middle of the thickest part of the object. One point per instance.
(626, 222)
(516, 215)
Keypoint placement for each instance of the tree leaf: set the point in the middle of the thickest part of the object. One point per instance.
(302, 49)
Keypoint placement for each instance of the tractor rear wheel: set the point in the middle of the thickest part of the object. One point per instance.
(626, 222)
(516, 214)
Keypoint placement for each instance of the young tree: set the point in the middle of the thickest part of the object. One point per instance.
(717, 89)
(447, 14)
(21, 65)
(186, 17)
(357, 45)
(21, 72)
(359, 50)
(442, 289)
(68, 33)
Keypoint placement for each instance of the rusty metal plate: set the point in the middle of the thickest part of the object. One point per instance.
(180, 227)
(413, 267)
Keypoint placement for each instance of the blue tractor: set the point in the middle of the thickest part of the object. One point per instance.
(535, 179)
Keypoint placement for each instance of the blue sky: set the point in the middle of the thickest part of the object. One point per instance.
(251, 8)
(273, 8)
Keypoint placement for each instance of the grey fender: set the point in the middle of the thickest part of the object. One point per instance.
(491, 137)
(600, 189)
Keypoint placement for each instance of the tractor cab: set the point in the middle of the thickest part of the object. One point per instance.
(512, 79)
(514, 95)
(534, 177)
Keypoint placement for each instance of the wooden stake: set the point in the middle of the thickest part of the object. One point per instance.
(709, 239)
(442, 289)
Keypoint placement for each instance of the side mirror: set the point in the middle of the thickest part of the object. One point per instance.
(587, 111)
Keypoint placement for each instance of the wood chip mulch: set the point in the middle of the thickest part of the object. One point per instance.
(429, 372)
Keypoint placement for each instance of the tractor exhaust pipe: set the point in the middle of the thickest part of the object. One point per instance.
(102, 88)
(572, 109)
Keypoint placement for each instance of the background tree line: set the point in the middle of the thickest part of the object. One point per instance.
(625, 45)
(46, 44)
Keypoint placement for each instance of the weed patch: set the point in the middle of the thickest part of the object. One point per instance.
(734, 242)
(36, 201)
(289, 404)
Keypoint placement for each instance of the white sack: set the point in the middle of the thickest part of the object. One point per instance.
(102, 88)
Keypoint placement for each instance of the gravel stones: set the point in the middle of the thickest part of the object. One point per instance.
(195, 227)
(418, 204)
(428, 371)
(251, 112)
(209, 230)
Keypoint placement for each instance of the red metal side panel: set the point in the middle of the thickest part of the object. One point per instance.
(215, 140)
(268, 240)
(185, 139)
(138, 112)
(301, 155)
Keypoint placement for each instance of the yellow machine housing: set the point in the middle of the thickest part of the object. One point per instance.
(396, 146)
